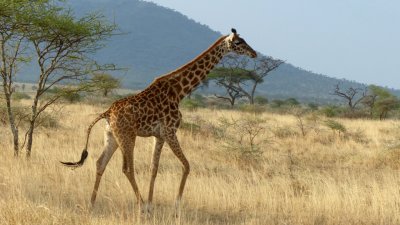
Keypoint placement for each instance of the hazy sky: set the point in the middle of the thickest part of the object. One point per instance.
(353, 39)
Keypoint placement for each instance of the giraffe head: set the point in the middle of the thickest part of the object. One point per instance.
(239, 46)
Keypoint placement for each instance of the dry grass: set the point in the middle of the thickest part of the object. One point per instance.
(320, 178)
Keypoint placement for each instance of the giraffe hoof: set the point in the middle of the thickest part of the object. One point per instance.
(176, 214)
(147, 208)
(177, 208)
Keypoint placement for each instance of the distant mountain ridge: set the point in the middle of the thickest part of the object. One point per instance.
(159, 39)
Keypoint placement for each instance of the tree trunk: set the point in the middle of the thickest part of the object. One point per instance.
(11, 119)
(30, 139)
(252, 93)
(14, 128)
(31, 127)
(382, 115)
(232, 98)
(6, 77)
(251, 100)
(351, 106)
(232, 101)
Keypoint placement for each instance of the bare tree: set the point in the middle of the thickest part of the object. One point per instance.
(353, 96)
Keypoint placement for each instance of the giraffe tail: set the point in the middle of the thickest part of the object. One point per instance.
(85, 153)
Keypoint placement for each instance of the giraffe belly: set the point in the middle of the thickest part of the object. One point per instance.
(149, 130)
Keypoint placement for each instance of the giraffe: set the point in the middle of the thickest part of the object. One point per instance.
(155, 112)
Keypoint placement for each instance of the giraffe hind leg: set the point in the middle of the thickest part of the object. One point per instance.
(127, 148)
(154, 169)
(110, 145)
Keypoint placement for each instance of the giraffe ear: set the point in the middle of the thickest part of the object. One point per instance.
(232, 36)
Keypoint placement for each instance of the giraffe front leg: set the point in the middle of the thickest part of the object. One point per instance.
(173, 143)
(154, 169)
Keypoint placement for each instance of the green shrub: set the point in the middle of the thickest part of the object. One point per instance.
(261, 100)
(252, 108)
(356, 114)
(72, 97)
(292, 102)
(313, 106)
(335, 126)
(192, 127)
(244, 136)
(98, 100)
(196, 125)
(22, 114)
(47, 120)
(66, 93)
(331, 111)
(199, 98)
(192, 104)
(284, 132)
(277, 103)
(20, 95)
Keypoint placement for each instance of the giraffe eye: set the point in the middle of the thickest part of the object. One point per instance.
(237, 42)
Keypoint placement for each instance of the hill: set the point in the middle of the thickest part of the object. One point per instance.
(157, 40)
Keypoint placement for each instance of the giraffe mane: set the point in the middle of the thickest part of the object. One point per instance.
(167, 75)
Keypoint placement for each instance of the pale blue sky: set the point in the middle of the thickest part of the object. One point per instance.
(353, 39)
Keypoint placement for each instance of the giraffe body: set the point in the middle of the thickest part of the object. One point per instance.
(155, 112)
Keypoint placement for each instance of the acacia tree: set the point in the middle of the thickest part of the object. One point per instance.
(385, 105)
(12, 54)
(251, 72)
(381, 101)
(104, 82)
(370, 99)
(231, 93)
(61, 47)
(229, 79)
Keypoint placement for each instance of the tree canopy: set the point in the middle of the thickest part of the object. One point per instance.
(48, 33)
(240, 76)
(104, 82)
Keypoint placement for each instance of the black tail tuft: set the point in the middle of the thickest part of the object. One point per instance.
(77, 164)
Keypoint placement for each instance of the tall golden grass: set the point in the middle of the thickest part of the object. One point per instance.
(322, 177)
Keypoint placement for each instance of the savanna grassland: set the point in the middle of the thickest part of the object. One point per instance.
(246, 168)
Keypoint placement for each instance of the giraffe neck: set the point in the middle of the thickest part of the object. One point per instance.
(185, 79)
